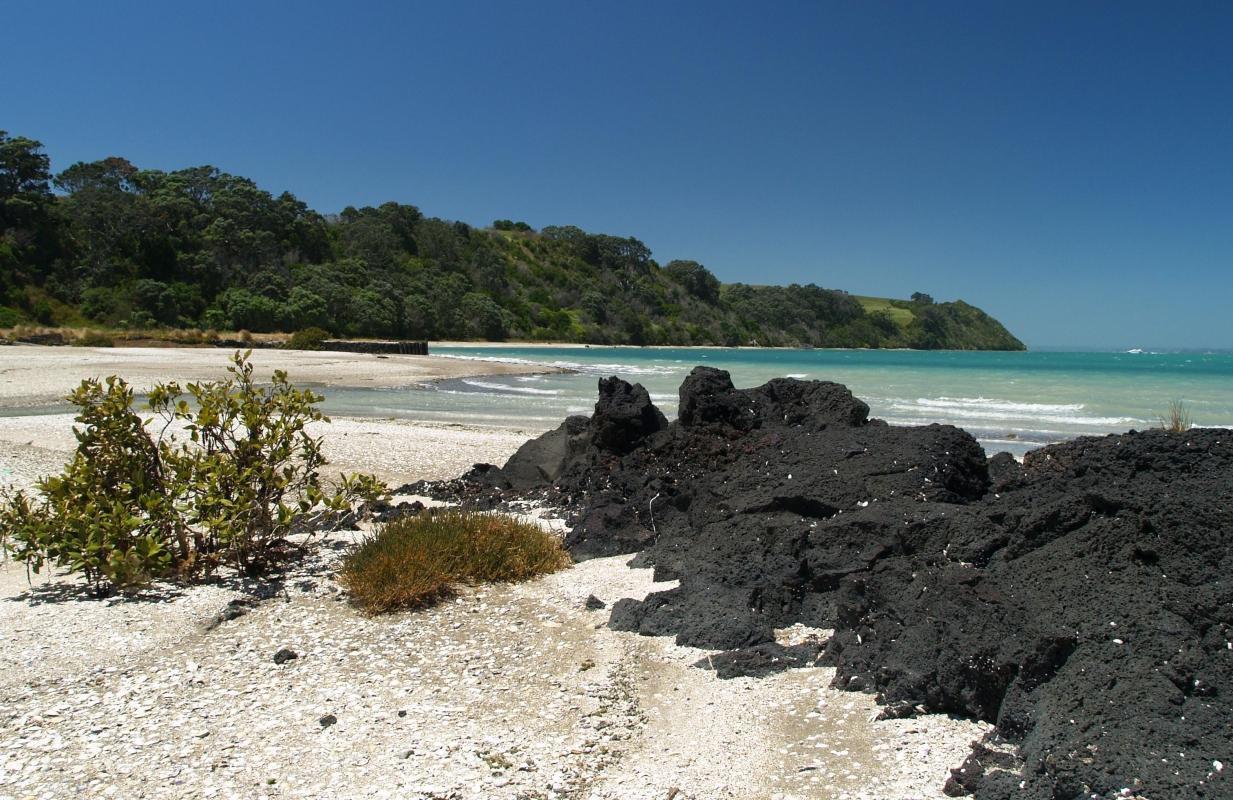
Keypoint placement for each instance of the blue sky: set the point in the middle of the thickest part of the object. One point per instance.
(1068, 167)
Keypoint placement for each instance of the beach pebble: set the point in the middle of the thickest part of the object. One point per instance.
(284, 655)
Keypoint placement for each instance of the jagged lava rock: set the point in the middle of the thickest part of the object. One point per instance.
(1080, 600)
(624, 416)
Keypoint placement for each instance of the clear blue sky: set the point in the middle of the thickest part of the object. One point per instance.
(1068, 167)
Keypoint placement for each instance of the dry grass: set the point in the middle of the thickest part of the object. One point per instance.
(414, 561)
(1178, 418)
(90, 338)
(123, 337)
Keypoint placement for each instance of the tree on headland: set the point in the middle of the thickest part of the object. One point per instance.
(119, 245)
(25, 192)
(510, 225)
(28, 232)
(696, 279)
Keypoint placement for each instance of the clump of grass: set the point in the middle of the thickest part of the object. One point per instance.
(415, 561)
(1178, 418)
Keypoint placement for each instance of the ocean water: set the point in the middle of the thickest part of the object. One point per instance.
(1009, 401)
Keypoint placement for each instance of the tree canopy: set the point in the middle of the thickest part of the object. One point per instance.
(118, 245)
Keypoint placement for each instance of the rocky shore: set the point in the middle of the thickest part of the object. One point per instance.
(1079, 601)
(280, 689)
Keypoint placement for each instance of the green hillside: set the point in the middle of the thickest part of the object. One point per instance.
(118, 246)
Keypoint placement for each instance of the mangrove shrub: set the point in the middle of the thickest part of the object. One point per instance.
(223, 481)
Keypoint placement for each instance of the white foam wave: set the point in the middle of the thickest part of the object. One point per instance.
(502, 387)
(617, 369)
(578, 366)
(994, 429)
(995, 414)
(495, 359)
(998, 405)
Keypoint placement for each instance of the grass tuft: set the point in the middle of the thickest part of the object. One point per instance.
(93, 338)
(415, 561)
(1178, 418)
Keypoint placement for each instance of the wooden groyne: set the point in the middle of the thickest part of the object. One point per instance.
(402, 348)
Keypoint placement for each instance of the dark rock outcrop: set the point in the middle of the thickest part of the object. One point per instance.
(540, 461)
(624, 416)
(1080, 600)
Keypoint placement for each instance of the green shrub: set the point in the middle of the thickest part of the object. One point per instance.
(132, 506)
(11, 317)
(110, 514)
(414, 561)
(307, 339)
(42, 311)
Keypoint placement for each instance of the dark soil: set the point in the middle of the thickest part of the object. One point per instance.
(1081, 601)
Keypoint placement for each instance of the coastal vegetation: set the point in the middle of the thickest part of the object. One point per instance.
(307, 339)
(221, 473)
(106, 243)
(1177, 419)
(416, 560)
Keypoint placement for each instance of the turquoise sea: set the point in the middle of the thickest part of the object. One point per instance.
(1009, 401)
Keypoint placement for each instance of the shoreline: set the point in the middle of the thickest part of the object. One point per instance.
(585, 346)
(37, 375)
(36, 424)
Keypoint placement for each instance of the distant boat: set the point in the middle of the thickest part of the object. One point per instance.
(1135, 350)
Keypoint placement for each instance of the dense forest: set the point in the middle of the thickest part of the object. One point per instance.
(109, 244)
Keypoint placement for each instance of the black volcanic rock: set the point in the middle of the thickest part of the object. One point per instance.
(707, 397)
(624, 416)
(540, 461)
(1081, 600)
(284, 655)
(761, 660)
(807, 405)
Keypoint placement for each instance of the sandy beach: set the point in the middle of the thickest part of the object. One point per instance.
(32, 375)
(507, 692)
